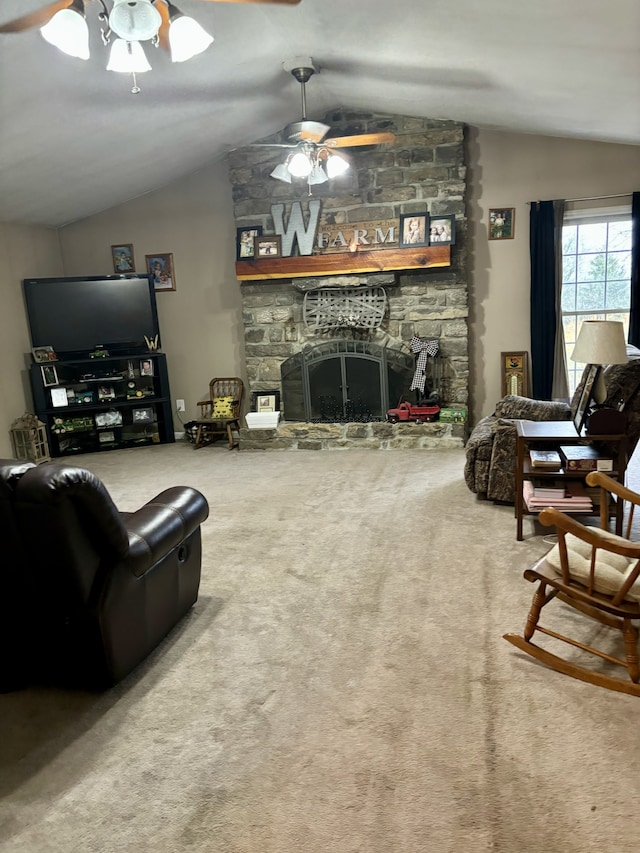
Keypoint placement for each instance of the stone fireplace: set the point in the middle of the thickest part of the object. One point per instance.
(336, 381)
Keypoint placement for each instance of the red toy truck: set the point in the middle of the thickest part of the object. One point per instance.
(420, 413)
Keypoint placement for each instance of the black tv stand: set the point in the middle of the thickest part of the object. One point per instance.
(104, 403)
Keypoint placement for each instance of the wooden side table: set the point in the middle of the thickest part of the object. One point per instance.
(556, 433)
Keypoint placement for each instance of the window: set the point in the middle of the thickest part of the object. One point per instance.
(596, 274)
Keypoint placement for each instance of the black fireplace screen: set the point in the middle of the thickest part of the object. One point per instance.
(344, 380)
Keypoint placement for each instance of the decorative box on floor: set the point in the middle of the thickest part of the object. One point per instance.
(29, 439)
(262, 420)
(450, 415)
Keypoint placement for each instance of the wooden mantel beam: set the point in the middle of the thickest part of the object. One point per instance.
(377, 260)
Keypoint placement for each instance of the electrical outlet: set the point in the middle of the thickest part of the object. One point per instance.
(180, 406)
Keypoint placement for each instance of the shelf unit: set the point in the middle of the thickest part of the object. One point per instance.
(550, 435)
(104, 403)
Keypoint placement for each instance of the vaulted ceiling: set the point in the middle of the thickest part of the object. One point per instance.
(74, 140)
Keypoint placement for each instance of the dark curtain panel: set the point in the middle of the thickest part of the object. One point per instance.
(634, 317)
(543, 298)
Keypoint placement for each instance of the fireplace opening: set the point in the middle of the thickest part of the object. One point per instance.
(348, 381)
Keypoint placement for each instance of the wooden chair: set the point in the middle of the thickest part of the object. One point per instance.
(596, 573)
(220, 414)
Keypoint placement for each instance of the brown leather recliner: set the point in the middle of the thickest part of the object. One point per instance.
(104, 587)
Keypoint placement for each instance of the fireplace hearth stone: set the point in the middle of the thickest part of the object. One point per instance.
(373, 436)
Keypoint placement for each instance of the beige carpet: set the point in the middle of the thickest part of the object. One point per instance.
(341, 685)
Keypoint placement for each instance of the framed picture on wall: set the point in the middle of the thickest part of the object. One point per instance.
(502, 223)
(122, 257)
(160, 266)
(515, 373)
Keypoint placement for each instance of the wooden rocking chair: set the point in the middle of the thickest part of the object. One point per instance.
(594, 572)
(220, 414)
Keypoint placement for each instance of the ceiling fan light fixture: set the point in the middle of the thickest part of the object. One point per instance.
(128, 57)
(186, 37)
(281, 173)
(134, 20)
(300, 165)
(336, 165)
(68, 31)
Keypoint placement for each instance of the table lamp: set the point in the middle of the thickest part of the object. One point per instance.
(600, 342)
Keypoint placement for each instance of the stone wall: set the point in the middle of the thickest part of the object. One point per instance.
(422, 171)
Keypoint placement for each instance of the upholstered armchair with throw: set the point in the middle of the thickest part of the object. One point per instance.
(96, 590)
(491, 448)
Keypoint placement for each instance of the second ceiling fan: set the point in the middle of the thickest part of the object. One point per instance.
(313, 156)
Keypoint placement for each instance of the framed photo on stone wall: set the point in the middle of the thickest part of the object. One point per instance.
(414, 229)
(442, 230)
(267, 246)
(245, 241)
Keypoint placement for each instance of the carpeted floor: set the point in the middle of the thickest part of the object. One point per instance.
(342, 684)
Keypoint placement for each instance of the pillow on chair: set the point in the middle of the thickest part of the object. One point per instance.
(223, 407)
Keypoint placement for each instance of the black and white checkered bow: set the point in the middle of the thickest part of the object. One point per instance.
(424, 347)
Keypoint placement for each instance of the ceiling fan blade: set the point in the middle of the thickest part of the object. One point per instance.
(360, 139)
(307, 131)
(35, 19)
(276, 2)
(272, 145)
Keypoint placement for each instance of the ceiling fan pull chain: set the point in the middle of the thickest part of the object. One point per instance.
(135, 89)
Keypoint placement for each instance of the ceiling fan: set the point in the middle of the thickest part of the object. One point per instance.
(44, 15)
(313, 154)
(62, 23)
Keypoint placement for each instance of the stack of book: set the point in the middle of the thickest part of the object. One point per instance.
(572, 497)
(549, 460)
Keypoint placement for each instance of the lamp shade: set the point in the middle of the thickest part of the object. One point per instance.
(68, 31)
(281, 173)
(600, 342)
(300, 165)
(128, 57)
(187, 38)
(336, 165)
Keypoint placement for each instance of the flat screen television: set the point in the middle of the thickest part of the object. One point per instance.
(77, 315)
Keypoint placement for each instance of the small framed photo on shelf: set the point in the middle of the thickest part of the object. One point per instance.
(245, 241)
(146, 367)
(49, 375)
(106, 436)
(122, 257)
(267, 246)
(266, 401)
(592, 373)
(59, 397)
(502, 222)
(414, 229)
(442, 230)
(43, 354)
(143, 416)
(161, 268)
(515, 373)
